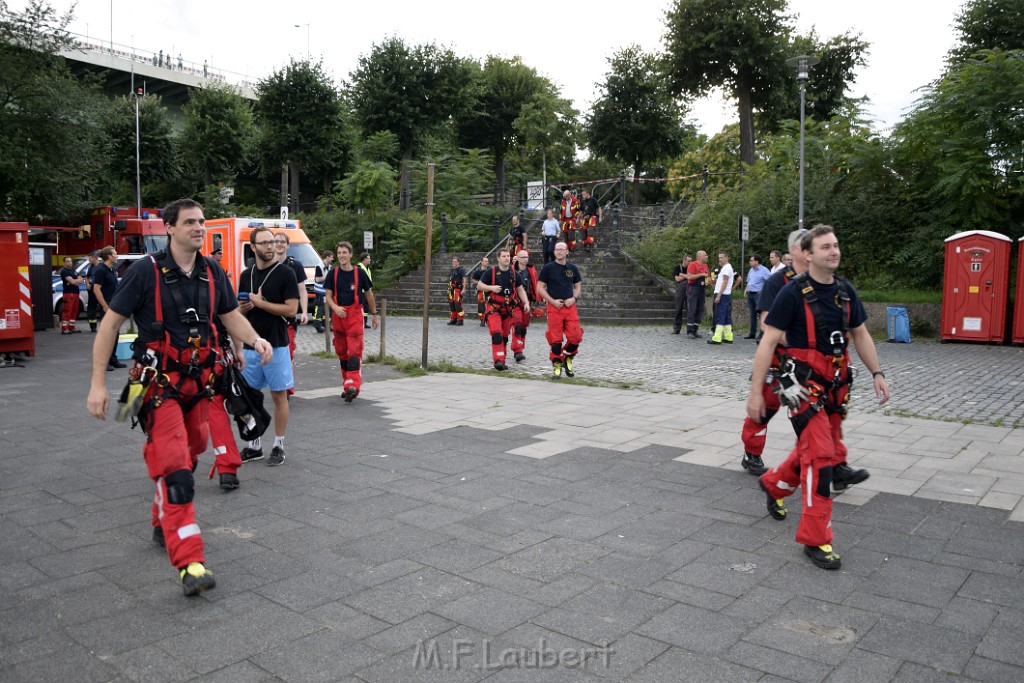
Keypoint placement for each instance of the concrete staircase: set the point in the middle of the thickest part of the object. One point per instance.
(614, 293)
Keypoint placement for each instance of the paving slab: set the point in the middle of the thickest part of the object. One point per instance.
(420, 516)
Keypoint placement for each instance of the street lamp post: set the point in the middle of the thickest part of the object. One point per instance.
(802, 64)
(307, 37)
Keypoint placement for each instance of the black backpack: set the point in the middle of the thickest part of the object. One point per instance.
(244, 402)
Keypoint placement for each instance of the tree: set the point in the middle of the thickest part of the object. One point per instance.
(731, 43)
(159, 161)
(961, 150)
(218, 134)
(503, 87)
(988, 25)
(743, 45)
(408, 91)
(300, 121)
(369, 187)
(52, 154)
(635, 120)
(548, 126)
(829, 80)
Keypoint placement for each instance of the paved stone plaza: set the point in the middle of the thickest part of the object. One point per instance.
(467, 527)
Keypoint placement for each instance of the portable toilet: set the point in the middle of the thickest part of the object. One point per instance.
(17, 334)
(976, 283)
(1018, 311)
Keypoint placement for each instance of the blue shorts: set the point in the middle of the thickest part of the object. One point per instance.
(277, 374)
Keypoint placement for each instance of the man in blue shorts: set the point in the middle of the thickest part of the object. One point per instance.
(268, 294)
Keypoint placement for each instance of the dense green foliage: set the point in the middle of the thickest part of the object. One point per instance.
(363, 147)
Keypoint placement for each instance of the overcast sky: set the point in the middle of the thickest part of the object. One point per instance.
(908, 38)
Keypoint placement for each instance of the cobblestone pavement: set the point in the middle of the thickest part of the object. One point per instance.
(959, 382)
(463, 527)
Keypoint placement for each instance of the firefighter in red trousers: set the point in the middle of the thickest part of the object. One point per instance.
(559, 287)
(755, 433)
(569, 217)
(591, 216)
(175, 298)
(521, 316)
(346, 288)
(817, 314)
(504, 290)
(456, 285)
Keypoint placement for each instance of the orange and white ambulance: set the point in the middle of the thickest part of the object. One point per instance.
(231, 236)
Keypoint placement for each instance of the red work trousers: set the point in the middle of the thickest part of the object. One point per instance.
(564, 332)
(348, 344)
(499, 325)
(174, 442)
(586, 224)
(818, 448)
(520, 325)
(69, 312)
(226, 458)
(455, 303)
(756, 433)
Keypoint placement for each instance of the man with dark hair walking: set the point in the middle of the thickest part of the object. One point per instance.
(176, 298)
(818, 315)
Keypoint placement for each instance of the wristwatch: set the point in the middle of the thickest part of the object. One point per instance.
(877, 373)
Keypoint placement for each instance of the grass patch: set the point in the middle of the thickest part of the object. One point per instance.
(901, 296)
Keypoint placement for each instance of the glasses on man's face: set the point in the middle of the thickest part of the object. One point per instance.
(280, 242)
(264, 243)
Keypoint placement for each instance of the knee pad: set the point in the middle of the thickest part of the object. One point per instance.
(520, 331)
(824, 482)
(571, 349)
(556, 348)
(496, 338)
(352, 364)
(181, 487)
(768, 415)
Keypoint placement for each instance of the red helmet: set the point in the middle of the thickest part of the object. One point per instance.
(538, 312)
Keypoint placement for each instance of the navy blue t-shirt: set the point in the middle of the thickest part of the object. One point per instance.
(66, 273)
(105, 279)
(346, 294)
(135, 296)
(508, 280)
(559, 279)
(788, 314)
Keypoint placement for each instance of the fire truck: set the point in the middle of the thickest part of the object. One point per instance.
(121, 227)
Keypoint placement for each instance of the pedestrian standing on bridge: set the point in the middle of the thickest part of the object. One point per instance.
(756, 277)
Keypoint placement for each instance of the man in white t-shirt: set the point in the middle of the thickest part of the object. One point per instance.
(549, 236)
(723, 301)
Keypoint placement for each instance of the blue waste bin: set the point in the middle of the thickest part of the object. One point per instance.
(898, 324)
